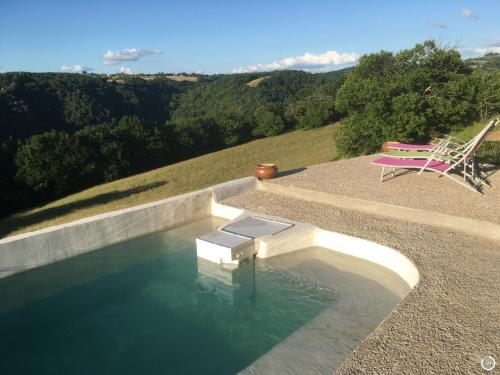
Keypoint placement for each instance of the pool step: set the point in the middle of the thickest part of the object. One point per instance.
(235, 241)
(221, 247)
(256, 226)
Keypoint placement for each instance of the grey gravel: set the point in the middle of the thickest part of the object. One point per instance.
(448, 322)
(357, 178)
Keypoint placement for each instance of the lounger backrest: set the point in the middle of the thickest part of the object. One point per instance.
(473, 145)
(489, 126)
(480, 139)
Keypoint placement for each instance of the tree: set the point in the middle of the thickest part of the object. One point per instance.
(80, 109)
(114, 151)
(12, 193)
(49, 164)
(410, 97)
(268, 123)
(313, 111)
(487, 84)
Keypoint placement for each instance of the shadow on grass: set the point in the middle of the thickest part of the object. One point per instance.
(13, 223)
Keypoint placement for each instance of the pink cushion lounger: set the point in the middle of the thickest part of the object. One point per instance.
(435, 165)
(457, 160)
(411, 147)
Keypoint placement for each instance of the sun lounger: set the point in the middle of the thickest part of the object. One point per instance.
(460, 161)
(442, 144)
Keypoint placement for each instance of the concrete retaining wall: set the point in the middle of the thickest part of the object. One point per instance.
(49, 245)
(466, 225)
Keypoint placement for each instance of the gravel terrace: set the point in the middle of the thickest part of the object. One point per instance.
(452, 318)
(357, 178)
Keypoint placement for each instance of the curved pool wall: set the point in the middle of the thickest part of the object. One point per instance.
(304, 235)
(35, 249)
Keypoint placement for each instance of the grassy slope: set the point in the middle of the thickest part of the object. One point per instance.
(474, 129)
(288, 151)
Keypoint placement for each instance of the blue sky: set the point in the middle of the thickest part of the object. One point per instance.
(227, 36)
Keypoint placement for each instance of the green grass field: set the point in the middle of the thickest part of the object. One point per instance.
(292, 150)
(475, 128)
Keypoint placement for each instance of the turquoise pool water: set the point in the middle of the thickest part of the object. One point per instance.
(148, 306)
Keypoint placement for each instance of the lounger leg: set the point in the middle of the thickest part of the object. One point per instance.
(382, 174)
(392, 171)
(482, 181)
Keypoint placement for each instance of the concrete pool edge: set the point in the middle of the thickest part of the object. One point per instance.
(41, 247)
(52, 244)
(475, 227)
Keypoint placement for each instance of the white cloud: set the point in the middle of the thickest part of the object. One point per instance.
(125, 70)
(439, 25)
(127, 55)
(484, 50)
(469, 13)
(75, 68)
(330, 60)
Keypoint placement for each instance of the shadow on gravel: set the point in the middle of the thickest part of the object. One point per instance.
(13, 223)
(291, 171)
(490, 169)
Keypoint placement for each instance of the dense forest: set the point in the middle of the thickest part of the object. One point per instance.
(62, 132)
(412, 96)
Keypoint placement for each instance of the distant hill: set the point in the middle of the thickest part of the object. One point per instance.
(488, 61)
(33, 103)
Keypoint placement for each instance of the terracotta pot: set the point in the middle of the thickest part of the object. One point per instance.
(265, 171)
(385, 146)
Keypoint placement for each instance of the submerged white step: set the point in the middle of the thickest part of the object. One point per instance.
(233, 283)
(221, 247)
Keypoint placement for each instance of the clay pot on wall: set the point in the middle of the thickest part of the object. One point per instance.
(265, 171)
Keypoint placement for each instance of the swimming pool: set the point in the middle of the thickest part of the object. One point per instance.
(149, 305)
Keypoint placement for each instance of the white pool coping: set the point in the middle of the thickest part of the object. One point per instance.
(41, 247)
(48, 245)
